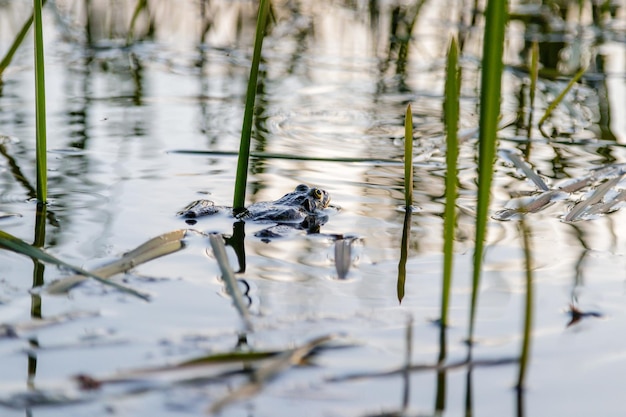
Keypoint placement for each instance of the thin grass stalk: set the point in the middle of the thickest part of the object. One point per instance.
(408, 159)
(561, 96)
(40, 106)
(408, 201)
(451, 113)
(528, 305)
(246, 130)
(38, 266)
(491, 77)
(440, 394)
(534, 75)
(404, 254)
(8, 57)
(141, 4)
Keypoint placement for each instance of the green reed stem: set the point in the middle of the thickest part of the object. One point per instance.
(562, 95)
(491, 77)
(528, 305)
(141, 4)
(246, 130)
(404, 255)
(451, 113)
(8, 57)
(408, 200)
(408, 158)
(40, 106)
(534, 75)
(38, 267)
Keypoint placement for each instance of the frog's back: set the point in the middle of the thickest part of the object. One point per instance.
(295, 207)
(273, 212)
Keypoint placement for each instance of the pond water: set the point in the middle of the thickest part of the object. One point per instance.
(137, 132)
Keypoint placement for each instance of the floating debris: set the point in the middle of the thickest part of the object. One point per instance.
(16, 330)
(603, 199)
(161, 245)
(5, 215)
(343, 255)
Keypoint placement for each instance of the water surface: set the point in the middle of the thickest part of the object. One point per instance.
(333, 85)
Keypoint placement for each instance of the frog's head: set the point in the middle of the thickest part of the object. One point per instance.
(314, 198)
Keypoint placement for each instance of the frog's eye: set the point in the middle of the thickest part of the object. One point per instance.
(317, 193)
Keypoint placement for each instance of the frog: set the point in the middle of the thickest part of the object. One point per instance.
(302, 208)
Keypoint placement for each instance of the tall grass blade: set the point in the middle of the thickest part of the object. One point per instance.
(246, 130)
(440, 395)
(528, 305)
(534, 75)
(141, 4)
(40, 106)
(408, 201)
(10, 242)
(560, 97)
(491, 77)
(451, 113)
(404, 253)
(38, 267)
(408, 159)
(19, 38)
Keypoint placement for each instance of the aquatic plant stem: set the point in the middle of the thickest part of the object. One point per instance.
(408, 158)
(404, 253)
(141, 4)
(8, 57)
(560, 98)
(534, 75)
(528, 305)
(38, 267)
(408, 201)
(40, 106)
(491, 77)
(451, 113)
(246, 130)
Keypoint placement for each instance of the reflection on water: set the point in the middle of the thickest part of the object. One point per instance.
(335, 80)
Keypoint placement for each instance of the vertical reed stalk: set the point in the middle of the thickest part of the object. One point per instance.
(528, 306)
(534, 75)
(451, 113)
(561, 96)
(408, 201)
(39, 267)
(40, 106)
(246, 130)
(408, 159)
(141, 4)
(8, 57)
(491, 77)
(404, 254)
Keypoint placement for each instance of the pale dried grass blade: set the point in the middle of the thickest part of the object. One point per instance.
(162, 245)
